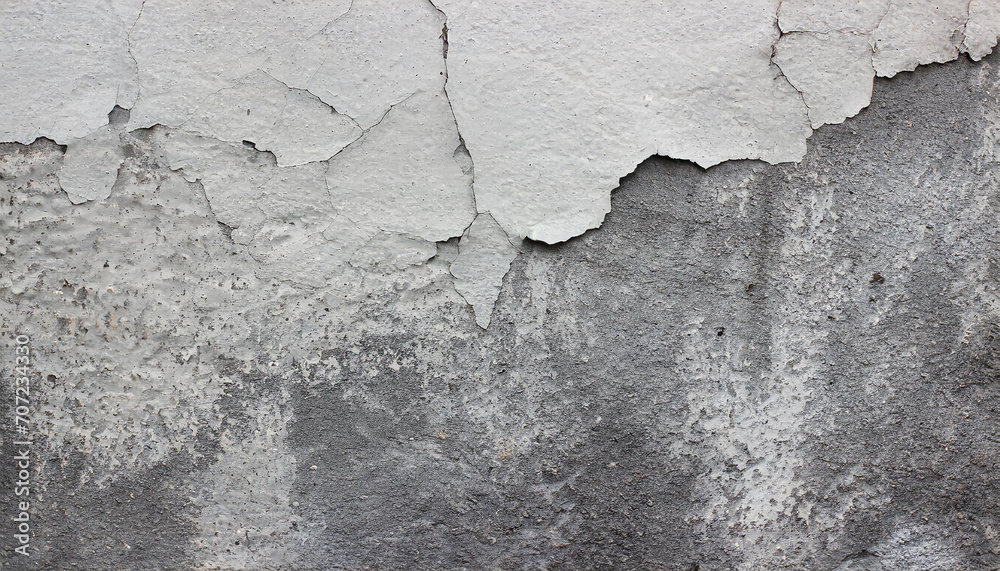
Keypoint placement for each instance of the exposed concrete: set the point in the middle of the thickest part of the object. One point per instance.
(266, 337)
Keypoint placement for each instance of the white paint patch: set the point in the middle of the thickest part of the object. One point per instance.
(983, 29)
(918, 32)
(291, 123)
(485, 255)
(91, 165)
(555, 101)
(65, 66)
(402, 175)
(832, 70)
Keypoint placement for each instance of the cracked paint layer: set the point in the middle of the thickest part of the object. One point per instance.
(550, 103)
(832, 70)
(76, 54)
(262, 297)
(403, 176)
(292, 124)
(917, 32)
(654, 84)
(982, 30)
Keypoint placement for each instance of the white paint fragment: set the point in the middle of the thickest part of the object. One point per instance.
(484, 258)
(301, 230)
(376, 54)
(555, 102)
(357, 57)
(188, 51)
(234, 178)
(558, 100)
(402, 175)
(227, 95)
(293, 124)
(65, 65)
(282, 214)
(393, 252)
(833, 71)
(91, 164)
(983, 29)
(918, 32)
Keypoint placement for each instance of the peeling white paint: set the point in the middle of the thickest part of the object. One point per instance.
(342, 150)
(65, 66)
(557, 101)
(983, 29)
(554, 102)
(375, 54)
(403, 176)
(833, 71)
(291, 123)
(188, 51)
(484, 257)
(918, 32)
(90, 167)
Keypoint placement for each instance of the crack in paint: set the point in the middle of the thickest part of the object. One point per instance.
(774, 48)
(968, 16)
(462, 151)
(128, 47)
(315, 97)
(458, 129)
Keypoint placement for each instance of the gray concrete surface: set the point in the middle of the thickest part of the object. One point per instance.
(753, 366)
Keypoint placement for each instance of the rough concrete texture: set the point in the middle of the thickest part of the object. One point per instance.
(260, 290)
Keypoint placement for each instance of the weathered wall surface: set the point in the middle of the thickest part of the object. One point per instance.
(260, 291)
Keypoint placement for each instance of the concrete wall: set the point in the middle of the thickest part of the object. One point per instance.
(379, 285)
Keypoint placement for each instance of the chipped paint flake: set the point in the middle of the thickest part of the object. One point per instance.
(291, 123)
(381, 122)
(374, 55)
(91, 164)
(832, 70)
(485, 255)
(65, 66)
(983, 29)
(402, 176)
(918, 32)
(690, 84)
